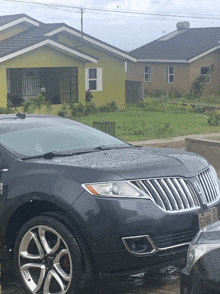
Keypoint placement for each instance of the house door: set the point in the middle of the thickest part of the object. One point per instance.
(30, 82)
(69, 85)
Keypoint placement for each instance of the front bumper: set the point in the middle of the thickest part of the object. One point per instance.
(122, 262)
(112, 221)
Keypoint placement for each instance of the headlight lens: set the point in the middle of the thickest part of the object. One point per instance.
(206, 240)
(114, 189)
(195, 252)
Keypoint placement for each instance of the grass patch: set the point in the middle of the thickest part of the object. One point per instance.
(137, 123)
(151, 119)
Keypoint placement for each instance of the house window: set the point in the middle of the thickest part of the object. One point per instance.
(147, 73)
(203, 71)
(169, 74)
(94, 79)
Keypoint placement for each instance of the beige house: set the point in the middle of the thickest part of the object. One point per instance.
(174, 61)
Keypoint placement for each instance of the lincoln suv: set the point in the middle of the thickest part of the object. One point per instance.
(76, 202)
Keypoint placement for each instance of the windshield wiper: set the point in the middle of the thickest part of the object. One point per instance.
(52, 154)
(48, 155)
(103, 147)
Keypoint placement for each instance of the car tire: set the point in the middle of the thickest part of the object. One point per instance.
(48, 258)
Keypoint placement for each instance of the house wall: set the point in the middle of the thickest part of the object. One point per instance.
(212, 59)
(184, 74)
(3, 87)
(42, 57)
(113, 73)
(181, 82)
(113, 81)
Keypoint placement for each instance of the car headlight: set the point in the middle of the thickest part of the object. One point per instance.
(206, 240)
(114, 189)
(195, 252)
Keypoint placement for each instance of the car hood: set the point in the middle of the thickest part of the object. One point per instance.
(138, 162)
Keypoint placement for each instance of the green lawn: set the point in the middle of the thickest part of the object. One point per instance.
(134, 123)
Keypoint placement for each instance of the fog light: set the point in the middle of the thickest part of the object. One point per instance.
(139, 245)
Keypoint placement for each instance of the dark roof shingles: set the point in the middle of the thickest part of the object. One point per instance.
(34, 35)
(25, 39)
(184, 46)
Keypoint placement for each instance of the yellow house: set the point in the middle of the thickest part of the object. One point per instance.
(176, 60)
(58, 61)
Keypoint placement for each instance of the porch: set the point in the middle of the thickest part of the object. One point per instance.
(57, 84)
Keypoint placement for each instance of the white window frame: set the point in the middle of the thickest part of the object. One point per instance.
(208, 68)
(98, 79)
(147, 73)
(169, 75)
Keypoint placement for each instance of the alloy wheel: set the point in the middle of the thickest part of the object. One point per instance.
(45, 261)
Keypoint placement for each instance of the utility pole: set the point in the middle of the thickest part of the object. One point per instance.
(81, 25)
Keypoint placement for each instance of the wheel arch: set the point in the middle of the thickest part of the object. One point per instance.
(35, 208)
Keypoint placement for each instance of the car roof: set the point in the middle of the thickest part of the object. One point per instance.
(14, 122)
(20, 115)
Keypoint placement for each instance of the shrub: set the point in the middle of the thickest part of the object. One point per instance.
(27, 106)
(89, 96)
(214, 118)
(199, 84)
(90, 108)
(174, 93)
(76, 110)
(7, 110)
(200, 108)
(156, 93)
(109, 107)
(63, 111)
(36, 102)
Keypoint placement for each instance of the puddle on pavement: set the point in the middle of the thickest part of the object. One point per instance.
(136, 284)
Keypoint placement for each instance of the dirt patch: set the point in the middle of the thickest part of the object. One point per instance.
(214, 138)
(177, 142)
(173, 145)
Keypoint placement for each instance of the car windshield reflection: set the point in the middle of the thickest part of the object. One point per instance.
(42, 140)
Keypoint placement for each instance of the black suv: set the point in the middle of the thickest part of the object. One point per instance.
(76, 202)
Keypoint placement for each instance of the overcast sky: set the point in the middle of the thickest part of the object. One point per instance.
(126, 31)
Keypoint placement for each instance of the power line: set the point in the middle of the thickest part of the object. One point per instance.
(134, 12)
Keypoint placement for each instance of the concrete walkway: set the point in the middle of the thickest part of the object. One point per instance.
(176, 142)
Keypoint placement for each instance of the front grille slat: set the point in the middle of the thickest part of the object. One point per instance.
(190, 195)
(184, 199)
(155, 195)
(178, 194)
(209, 186)
(175, 193)
(203, 184)
(167, 201)
(206, 183)
(212, 186)
(169, 192)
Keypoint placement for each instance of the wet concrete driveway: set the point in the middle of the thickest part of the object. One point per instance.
(160, 281)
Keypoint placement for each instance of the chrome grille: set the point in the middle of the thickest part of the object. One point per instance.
(171, 194)
(209, 186)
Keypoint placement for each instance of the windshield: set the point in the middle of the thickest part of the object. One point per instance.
(40, 140)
